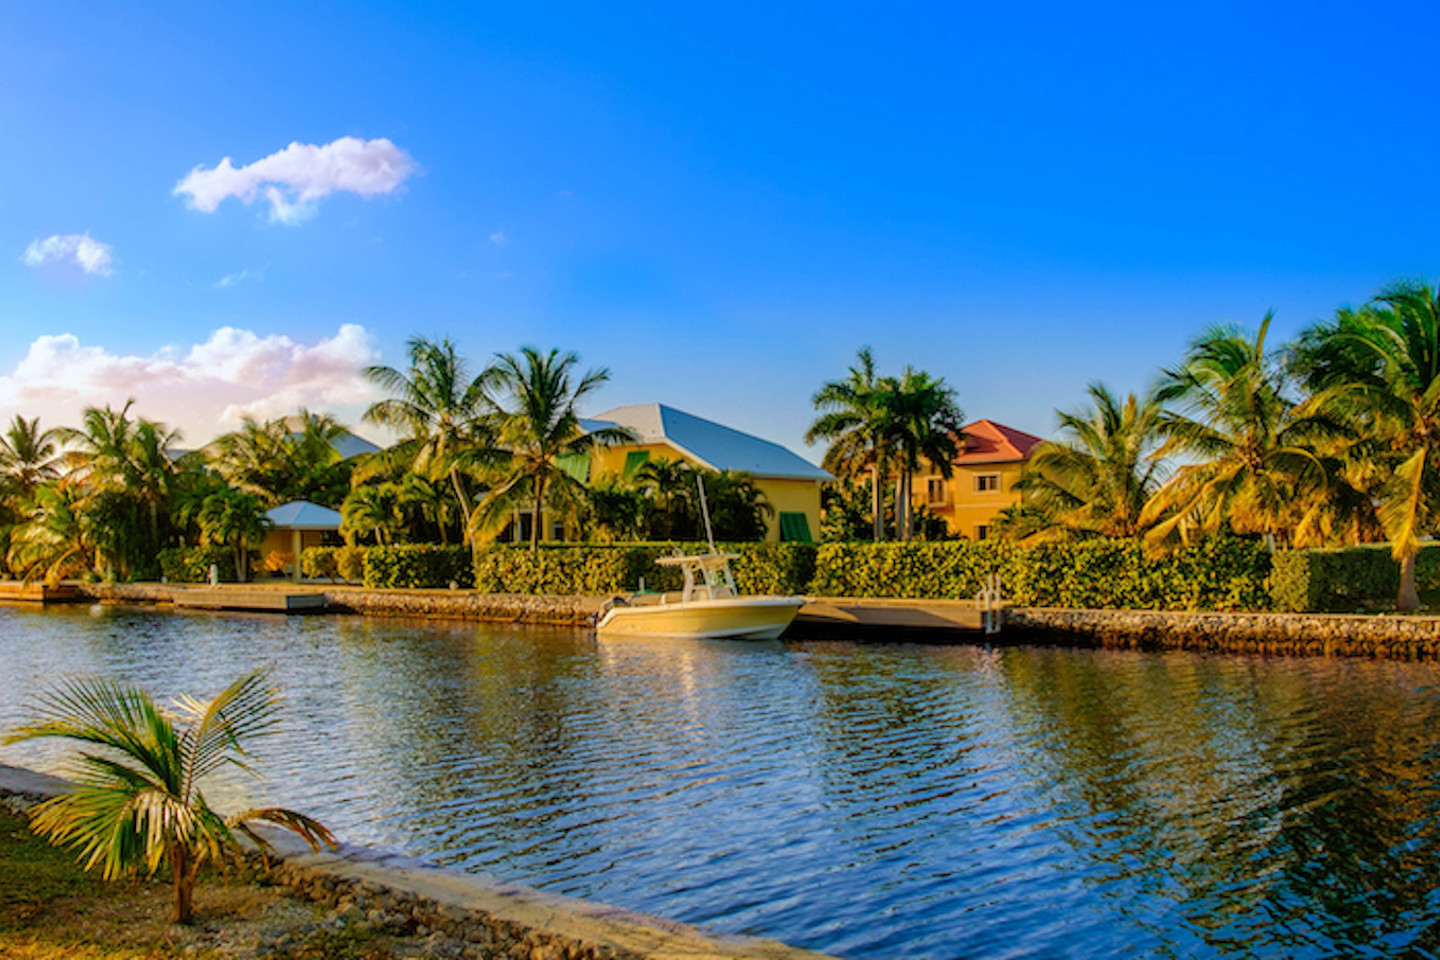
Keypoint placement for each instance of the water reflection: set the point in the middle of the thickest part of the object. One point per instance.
(890, 801)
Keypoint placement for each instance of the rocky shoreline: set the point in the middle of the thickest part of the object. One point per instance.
(455, 914)
(1291, 634)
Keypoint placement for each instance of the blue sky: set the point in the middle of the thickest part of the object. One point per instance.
(718, 204)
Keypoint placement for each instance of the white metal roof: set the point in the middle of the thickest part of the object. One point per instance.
(711, 444)
(303, 515)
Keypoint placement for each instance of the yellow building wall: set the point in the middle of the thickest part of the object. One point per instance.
(784, 496)
(281, 541)
(791, 496)
(963, 506)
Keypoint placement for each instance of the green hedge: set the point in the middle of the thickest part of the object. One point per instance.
(417, 566)
(1347, 578)
(192, 564)
(596, 569)
(1223, 573)
(320, 562)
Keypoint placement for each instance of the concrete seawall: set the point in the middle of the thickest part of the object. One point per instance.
(1311, 634)
(481, 916)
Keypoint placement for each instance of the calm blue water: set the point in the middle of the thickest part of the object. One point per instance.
(876, 802)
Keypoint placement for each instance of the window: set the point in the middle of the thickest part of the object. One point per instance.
(794, 528)
(981, 531)
(634, 460)
(986, 482)
(935, 491)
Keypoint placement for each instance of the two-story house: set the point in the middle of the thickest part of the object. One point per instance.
(982, 482)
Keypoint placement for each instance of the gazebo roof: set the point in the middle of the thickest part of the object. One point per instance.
(303, 515)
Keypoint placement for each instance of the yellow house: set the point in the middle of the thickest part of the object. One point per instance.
(982, 482)
(790, 483)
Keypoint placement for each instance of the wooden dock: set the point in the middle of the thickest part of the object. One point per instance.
(865, 616)
(16, 591)
(253, 598)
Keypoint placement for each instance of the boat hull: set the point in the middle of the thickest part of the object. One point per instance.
(746, 618)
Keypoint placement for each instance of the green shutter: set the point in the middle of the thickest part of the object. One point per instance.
(634, 460)
(577, 465)
(794, 528)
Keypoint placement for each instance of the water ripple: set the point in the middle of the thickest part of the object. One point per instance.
(896, 801)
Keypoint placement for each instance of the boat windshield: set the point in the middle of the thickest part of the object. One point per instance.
(713, 571)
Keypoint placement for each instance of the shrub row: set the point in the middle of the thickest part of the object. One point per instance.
(1222, 573)
(593, 570)
(589, 569)
(412, 566)
(192, 564)
(1345, 579)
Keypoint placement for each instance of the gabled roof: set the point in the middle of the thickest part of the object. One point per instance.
(303, 515)
(710, 444)
(989, 442)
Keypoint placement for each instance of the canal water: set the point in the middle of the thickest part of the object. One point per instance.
(882, 801)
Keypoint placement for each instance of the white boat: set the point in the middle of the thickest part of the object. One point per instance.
(707, 607)
(709, 611)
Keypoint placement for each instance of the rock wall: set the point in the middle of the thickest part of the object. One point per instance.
(1410, 638)
(466, 605)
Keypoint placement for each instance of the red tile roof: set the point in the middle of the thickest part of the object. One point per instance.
(990, 442)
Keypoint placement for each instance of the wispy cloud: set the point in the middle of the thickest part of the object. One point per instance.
(295, 178)
(498, 237)
(231, 279)
(80, 249)
(204, 388)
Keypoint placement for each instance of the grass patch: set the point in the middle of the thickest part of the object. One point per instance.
(51, 909)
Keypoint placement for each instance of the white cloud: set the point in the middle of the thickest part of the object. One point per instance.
(498, 237)
(293, 179)
(87, 253)
(204, 389)
(231, 279)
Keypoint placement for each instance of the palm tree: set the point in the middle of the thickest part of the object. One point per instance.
(235, 519)
(288, 458)
(424, 503)
(1097, 478)
(137, 801)
(538, 425)
(671, 513)
(372, 509)
(1255, 450)
(27, 454)
(441, 410)
(738, 508)
(922, 422)
(126, 471)
(57, 537)
(1378, 368)
(852, 419)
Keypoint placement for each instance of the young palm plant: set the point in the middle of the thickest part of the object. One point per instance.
(137, 802)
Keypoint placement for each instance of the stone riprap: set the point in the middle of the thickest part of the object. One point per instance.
(460, 914)
(467, 605)
(1408, 637)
